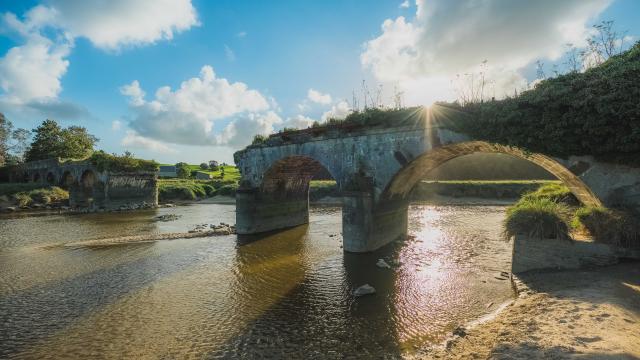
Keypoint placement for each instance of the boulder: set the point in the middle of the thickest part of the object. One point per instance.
(383, 264)
(363, 290)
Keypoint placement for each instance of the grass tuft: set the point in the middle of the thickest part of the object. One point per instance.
(538, 218)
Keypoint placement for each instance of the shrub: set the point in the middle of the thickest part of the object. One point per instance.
(123, 163)
(555, 192)
(209, 189)
(204, 166)
(259, 139)
(228, 190)
(609, 226)
(539, 218)
(183, 170)
(22, 199)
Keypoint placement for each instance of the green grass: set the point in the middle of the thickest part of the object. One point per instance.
(609, 226)
(230, 172)
(538, 218)
(556, 192)
(191, 189)
(492, 182)
(29, 194)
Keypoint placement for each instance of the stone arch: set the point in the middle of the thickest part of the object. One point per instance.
(67, 180)
(289, 177)
(87, 189)
(51, 178)
(408, 176)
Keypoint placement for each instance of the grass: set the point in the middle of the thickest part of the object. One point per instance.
(123, 163)
(231, 173)
(556, 192)
(493, 182)
(29, 194)
(190, 189)
(609, 226)
(538, 218)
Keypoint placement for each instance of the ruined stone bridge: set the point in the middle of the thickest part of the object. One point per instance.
(376, 169)
(89, 187)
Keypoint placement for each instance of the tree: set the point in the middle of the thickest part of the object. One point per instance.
(52, 141)
(204, 166)
(182, 170)
(13, 142)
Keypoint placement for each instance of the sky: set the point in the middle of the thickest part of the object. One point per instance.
(195, 80)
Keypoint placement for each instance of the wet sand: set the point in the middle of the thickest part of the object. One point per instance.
(582, 314)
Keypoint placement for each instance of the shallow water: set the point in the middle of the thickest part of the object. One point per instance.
(288, 295)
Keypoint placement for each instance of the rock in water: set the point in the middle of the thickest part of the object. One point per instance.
(365, 289)
(382, 264)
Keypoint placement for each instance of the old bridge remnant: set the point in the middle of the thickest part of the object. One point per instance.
(375, 170)
(91, 188)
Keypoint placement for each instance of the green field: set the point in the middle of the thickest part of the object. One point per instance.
(230, 172)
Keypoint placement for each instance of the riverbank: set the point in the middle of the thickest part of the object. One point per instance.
(586, 314)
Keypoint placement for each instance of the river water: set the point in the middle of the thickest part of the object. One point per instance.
(288, 295)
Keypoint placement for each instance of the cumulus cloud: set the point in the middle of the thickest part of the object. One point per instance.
(134, 141)
(337, 111)
(115, 23)
(188, 114)
(405, 4)
(446, 38)
(31, 73)
(318, 97)
(298, 122)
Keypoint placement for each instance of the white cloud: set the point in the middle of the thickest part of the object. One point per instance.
(32, 71)
(298, 122)
(405, 4)
(452, 37)
(318, 97)
(187, 115)
(134, 92)
(338, 111)
(135, 141)
(115, 23)
(241, 34)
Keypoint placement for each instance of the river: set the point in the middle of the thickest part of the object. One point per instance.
(288, 295)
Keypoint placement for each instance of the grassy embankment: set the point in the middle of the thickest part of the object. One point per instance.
(553, 212)
(21, 195)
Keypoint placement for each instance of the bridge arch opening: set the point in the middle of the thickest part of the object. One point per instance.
(281, 199)
(88, 191)
(406, 178)
(66, 180)
(36, 177)
(290, 177)
(51, 179)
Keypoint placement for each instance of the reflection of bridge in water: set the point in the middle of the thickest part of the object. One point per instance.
(88, 186)
(375, 170)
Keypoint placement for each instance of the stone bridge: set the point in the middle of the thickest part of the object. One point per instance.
(90, 188)
(376, 169)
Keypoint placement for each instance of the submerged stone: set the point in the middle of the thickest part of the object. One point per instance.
(383, 264)
(365, 289)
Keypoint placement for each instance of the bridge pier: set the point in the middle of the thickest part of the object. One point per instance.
(257, 212)
(367, 227)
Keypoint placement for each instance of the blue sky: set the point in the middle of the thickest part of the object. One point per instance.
(235, 68)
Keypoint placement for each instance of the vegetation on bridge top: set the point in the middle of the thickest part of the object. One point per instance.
(121, 163)
(595, 112)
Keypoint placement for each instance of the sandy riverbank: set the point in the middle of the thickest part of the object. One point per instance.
(582, 314)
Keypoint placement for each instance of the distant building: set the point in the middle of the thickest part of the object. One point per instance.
(203, 176)
(213, 164)
(168, 171)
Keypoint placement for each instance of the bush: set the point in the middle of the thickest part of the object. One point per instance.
(259, 139)
(121, 163)
(591, 113)
(609, 226)
(228, 190)
(22, 199)
(183, 170)
(204, 166)
(539, 218)
(555, 192)
(209, 189)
